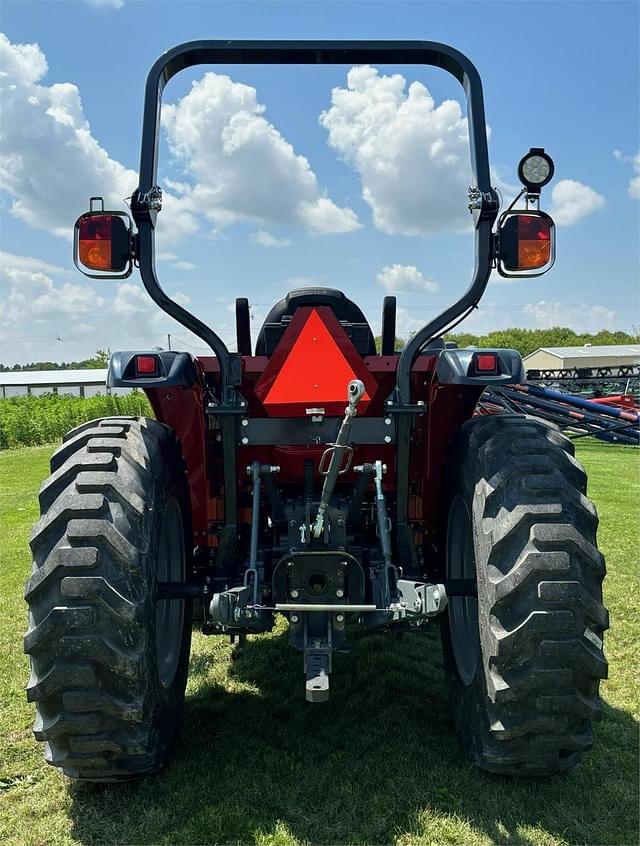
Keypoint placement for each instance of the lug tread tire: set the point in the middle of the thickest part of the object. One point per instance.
(529, 709)
(100, 708)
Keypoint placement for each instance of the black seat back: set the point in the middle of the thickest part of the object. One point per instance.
(347, 312)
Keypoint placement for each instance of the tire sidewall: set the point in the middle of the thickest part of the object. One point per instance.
(165, 703)
(468, 700)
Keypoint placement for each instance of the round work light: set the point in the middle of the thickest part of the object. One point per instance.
(535, 169)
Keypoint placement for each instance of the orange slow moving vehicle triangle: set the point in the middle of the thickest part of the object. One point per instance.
(315, 371)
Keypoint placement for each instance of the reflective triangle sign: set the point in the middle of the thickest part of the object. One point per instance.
(312, 367)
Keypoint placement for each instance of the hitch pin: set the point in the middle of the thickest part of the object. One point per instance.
(355, 392)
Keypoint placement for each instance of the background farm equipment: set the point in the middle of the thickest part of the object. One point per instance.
(614, 419)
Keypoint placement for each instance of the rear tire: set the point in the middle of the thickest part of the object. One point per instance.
(108, 663)
(525, 659)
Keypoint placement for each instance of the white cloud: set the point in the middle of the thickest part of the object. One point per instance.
(398, 278)
(181, 298)
(266, 239)
(42, 319)
(46, 138)
(243, 168)
(21, 61)
(580, 317)
(50, 163)
(34, 309)
(174, 261)
(33, 293)
(407, 323)
(131, 298)
(634, 183)
(106, 4)
(411, 155)
(27, 263)
(572, 201)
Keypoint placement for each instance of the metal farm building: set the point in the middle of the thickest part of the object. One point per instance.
(83, 383)
(588, 357)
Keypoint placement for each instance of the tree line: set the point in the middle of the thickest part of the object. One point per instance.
(526, 341)
(97, 361)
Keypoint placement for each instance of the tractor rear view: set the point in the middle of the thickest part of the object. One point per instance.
(312, 476)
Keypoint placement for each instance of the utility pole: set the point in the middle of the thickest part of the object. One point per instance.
(169, 340)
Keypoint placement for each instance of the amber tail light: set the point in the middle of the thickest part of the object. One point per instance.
(526, 245)
(103, 243)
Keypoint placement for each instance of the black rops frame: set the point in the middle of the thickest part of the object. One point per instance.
(145, 199)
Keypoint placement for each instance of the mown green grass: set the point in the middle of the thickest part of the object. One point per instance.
(378, 764)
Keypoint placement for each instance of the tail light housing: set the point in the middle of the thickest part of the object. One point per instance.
(103, 243)
(526, 243)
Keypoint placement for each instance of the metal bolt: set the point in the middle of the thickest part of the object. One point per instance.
(389, 402)
(245, 422)
(340, 618)
(292, 523)
(244, 441)
(339, 593)
(475, 198)
(387, 421)
(294, 618)
(340, 522)
(294, 594)
(387, 439)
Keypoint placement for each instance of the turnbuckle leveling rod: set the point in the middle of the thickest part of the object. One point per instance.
(384, 526)
(355, 392)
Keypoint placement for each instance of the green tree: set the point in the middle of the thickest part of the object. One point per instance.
(526, 341)
(99, 360)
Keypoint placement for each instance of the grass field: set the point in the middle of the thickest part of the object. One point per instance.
(378, 764)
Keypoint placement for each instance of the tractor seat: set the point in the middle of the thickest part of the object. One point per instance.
(347, 312)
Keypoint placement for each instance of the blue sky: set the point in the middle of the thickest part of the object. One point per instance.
(275, 179)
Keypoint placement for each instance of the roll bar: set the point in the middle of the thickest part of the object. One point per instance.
(147, 197)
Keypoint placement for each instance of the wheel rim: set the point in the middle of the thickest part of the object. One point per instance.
(170, 612)
(463, 610)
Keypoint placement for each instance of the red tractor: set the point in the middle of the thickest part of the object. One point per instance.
(319, 478)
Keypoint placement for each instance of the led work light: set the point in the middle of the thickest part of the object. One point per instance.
(535, 169)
